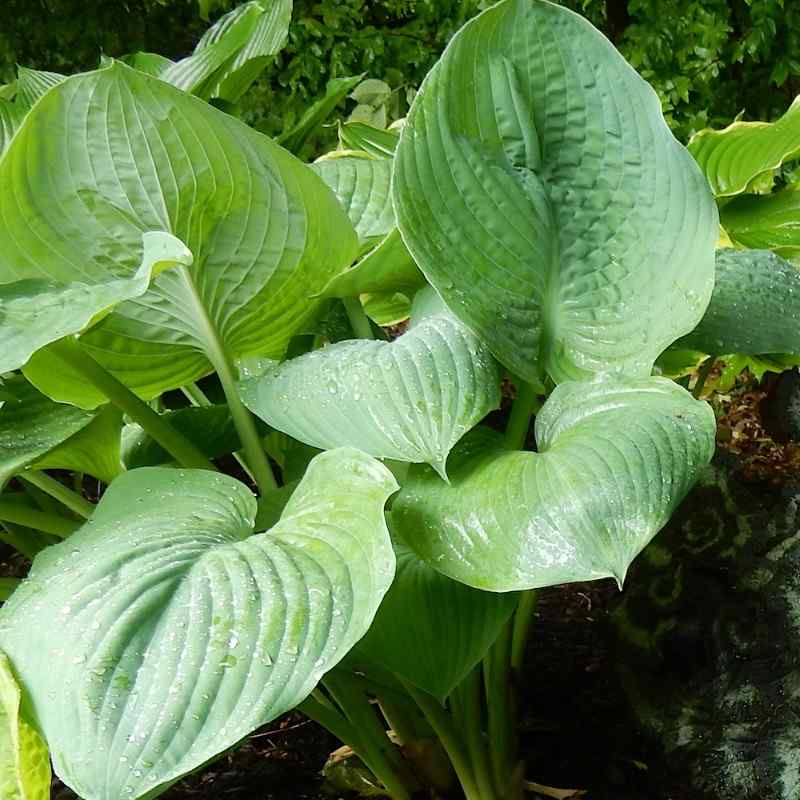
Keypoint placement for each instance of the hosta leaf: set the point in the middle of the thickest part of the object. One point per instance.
(33, 84)
(361, 182)
(264, 231)
(755, 307)
(234, 51)
(150, 63)
(539, 189)
(94, 449)
(410, 400)
(614, 460)
(387, 268)
(734, 157)
(11, 116)
(164, 632)
(24, 761)
(377, 142)
(387, 308)
(31, 425)
(335, 91)
(771, 222)
(432, 630)
(37, 311)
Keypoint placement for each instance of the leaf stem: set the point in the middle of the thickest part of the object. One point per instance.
(444, 728)
(72, 500)
(702, 376)
(523, 617)
(29, 543)
(21, 514)
(7, 586)
(176, 444)
(468, 712)
(497, 679)
(525, 404)
(376, 750)
(358, 318)
(242, 419)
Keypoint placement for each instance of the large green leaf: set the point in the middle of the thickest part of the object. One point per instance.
(37, 311)
(24, 761)
(234, 51)
(431, 630)
(614, 460)
(755, 307)
(387, 268)
(163, 632)
(539, 189)
(361, 182)
(410, 400)
(117, 154)
(736, 156)
(31, 425)
(770, 222)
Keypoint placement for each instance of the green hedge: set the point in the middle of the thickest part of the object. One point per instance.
(709, 59)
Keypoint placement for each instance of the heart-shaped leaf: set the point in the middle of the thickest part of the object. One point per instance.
(37, 311)
(265, 232)
(755, 307)
(614, 460)
(539, 189)
(361, 182)
(411, 399)
(736, 156)
(432, 630)
(31, 425)
(163, 632)
(24, 761)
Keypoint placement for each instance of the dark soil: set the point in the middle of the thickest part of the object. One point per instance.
(575, 728)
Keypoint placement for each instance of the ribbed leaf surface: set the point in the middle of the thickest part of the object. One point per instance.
(734, 157)
(765, 221)
(614, 461)
(539, 189)
(411, 399)
(163, 632)
(118, 153)
(755, 307)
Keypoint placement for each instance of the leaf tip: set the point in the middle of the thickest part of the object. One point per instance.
(440, 466)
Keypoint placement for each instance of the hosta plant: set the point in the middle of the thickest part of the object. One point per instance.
(181, 297)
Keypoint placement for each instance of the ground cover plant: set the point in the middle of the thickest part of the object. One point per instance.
(295, 510)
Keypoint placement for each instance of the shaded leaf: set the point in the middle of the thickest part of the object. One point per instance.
(771, 222)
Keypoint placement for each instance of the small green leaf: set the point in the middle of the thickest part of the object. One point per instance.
(755, 307)
(11, 116)
(31, 425)
(163, 631)
(387, 268)
(335, 91)
(409, 400)
(361, 183)
(375, 141)
(771, 222)
(24, 760)
(387, 308)
(33, 84)
(614, 460)
(734, 157)
(540, 191)
(432, 630)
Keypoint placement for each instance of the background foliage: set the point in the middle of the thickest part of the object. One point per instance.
(708, 59)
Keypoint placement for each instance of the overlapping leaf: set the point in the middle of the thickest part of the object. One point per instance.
(24, 761)
(31, 425)
(735, 157)
(411, 399)
(539, 189)
(163, 632)
(614, 460)
(755, 307)
(432, 630)
(118, 154)
(770, 222)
